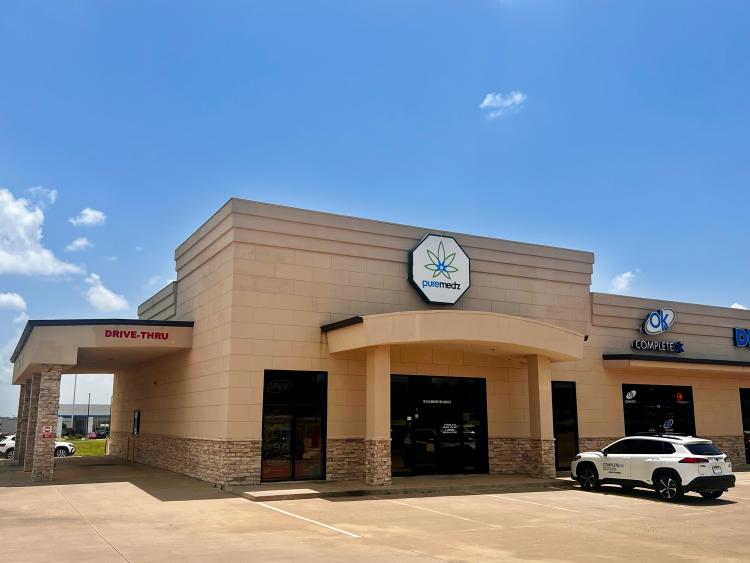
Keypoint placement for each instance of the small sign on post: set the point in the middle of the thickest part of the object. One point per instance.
(46, 432)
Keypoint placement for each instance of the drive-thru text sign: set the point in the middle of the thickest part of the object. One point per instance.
(439, 269)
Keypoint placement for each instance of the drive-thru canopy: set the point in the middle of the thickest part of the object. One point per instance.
(49, 348)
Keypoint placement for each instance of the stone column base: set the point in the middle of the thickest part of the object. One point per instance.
(377, 462)
(23, 425)
(542, 458)
(43, 467)
(30, 434)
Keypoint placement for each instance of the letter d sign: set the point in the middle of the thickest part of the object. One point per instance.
(740, 337)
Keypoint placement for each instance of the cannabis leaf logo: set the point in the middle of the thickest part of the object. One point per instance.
(440, 264)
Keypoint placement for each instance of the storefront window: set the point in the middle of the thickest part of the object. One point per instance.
(745, 405)
(438, 425)
(658, 409)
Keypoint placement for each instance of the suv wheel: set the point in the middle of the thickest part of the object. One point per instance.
(61, 452)
(712, 494)
(669, 487)
(10, 453)
(587, 478)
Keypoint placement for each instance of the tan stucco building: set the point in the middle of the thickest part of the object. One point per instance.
(303, 345)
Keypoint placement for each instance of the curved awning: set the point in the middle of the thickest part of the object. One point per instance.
(480, 331)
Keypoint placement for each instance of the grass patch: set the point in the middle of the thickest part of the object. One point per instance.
(88, 447)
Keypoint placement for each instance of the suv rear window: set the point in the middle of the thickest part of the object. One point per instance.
(703, 449)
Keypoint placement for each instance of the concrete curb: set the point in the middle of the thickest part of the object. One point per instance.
(458, 488)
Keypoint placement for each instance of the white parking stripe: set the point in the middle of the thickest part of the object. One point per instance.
(504, 497)
(334, 528)
(440, 513)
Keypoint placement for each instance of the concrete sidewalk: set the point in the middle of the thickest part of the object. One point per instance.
(401, 486)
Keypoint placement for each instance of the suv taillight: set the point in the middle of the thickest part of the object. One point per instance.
(693, 460)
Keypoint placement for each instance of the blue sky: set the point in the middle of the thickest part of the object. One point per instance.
(616, 127)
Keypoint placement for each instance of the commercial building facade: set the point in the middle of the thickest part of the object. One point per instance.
(303, 345)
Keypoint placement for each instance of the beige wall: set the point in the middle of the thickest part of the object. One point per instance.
(259, 281)
(296, 270)
(187, 394)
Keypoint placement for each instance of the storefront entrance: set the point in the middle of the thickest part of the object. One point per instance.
(294, 422)
(745, 405)
(438, 425)
(564, 423)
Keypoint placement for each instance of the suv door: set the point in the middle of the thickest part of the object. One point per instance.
(645, 456)
(616, 460)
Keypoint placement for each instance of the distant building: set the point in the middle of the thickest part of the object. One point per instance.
(7, 424)
(82, 418)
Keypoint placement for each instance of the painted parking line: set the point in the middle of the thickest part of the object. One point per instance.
(505, 497)
(639, 501)
(439, 512)
(310, 520)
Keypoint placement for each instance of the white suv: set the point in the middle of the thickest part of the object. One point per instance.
(8, 447)
(670, 464)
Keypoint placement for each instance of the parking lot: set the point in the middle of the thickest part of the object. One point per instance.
(136, 513)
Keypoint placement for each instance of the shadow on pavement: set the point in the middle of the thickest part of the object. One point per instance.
(159, 483)
(690, 499)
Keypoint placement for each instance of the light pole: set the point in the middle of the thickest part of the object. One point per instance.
(73, 410)
(88, 414)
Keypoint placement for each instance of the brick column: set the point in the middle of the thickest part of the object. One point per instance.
(542, 439)
(28, 455)
(378, 416)
(20, 428)
(49, 401)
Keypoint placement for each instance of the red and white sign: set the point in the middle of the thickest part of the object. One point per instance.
(46, 432)
(136, 334)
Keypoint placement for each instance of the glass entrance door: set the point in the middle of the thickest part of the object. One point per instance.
(564, 423)
(745, 404)
(439, 425)
(294, 408)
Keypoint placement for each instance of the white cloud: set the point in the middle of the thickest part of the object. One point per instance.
(103, 299)
(621, 282)
(21, 249)
(21, 318)
(81, 243)
(6, 368)
(500, 104)
(89, 218)
(738, 306)
(42, 195)
(12, 301)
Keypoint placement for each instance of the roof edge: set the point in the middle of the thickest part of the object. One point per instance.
(676, 360)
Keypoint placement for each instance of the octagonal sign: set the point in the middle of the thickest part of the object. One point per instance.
(439, 269)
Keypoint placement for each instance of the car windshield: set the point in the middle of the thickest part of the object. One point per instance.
(703, 449)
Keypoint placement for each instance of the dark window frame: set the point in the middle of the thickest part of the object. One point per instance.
(293, 404)
(686, 412)
(555, 424)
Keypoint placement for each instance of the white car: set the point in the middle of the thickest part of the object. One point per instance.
(670, 464)
(8, 447)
